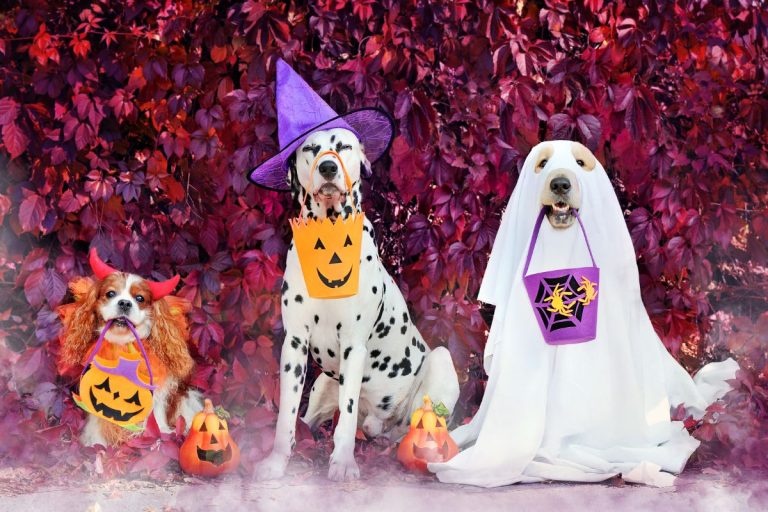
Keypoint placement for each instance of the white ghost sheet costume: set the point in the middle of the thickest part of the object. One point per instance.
(583, 412)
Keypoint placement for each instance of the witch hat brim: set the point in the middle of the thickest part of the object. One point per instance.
(301, 111)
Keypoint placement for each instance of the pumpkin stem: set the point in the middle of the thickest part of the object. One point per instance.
(208, 406)
(427, 403)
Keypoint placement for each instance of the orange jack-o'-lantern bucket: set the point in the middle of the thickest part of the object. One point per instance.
(117, 390)
(329, 250)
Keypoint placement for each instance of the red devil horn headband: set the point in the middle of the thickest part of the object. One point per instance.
(159, 290)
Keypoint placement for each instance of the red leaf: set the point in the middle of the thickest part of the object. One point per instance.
(31, 212)
(15, 140)
(9, 109)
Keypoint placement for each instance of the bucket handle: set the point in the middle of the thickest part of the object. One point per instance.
(97, 346)
(535, 236)
(347, 180)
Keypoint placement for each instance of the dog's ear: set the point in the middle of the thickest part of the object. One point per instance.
(365, 165)
(169, 334)
(79, 319)
(293, 177)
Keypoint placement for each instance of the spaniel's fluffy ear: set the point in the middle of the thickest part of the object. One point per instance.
(170, 331)
(79, 319)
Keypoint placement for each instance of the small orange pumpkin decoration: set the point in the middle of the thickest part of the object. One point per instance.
(427, 440)
(208, 449)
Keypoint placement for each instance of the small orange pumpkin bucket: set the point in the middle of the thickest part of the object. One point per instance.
(329, 250)
(117, 390)
(427, 440)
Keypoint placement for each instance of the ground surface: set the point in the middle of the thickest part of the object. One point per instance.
(305, 490)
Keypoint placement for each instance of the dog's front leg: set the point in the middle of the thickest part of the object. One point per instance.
(343, 465)
(293, 362)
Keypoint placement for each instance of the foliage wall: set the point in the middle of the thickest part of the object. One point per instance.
(129, 126)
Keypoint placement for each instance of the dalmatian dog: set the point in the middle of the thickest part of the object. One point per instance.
(376, 366)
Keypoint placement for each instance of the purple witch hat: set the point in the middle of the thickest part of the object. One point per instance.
(301, 111)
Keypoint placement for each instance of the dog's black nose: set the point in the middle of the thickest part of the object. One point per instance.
(560, 185)
(123, 304)
(328, 169)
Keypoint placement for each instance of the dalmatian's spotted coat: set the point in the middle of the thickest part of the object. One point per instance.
(376, 365)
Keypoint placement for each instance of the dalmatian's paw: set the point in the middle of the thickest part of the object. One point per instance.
(271, 468)
(343, 469)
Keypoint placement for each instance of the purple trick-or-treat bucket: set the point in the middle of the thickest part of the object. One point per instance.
(564, 301)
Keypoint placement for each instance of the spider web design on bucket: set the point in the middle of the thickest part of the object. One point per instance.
(560, 301)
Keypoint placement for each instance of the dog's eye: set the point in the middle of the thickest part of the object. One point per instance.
(312, 147)
(110, 294)
(345, 146)
(139, 298)
(134, 399)
(580, 162)
(543, 163)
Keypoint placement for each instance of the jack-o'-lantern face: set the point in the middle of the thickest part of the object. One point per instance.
(208, 449)
(116, 391)
(427, 440)
(329, 253)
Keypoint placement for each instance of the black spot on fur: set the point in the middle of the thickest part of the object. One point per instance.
(304, 349)
(338, 326)
(385, 403)
(287, 367)
(293, 410)
(349, 406)
(297, 370)
(315, 350)
(380, 327)
(330, 374)
(347, 351)
(403, 329)
(295, 388)
(422, 347)
(405, 317)
(421, 363)
(284, 288)
(299, 299)
(341, 379)
(374, 290)
(413, 341)
(333, 137)
(317, 319)
(369, 257)
(384, 332)
(366, 378)
(375, 353)
(392, 320)
(407, 351)
(375, 365)
(405, 366)
(285, 302)
(358, 317)
(295, 342)
(331, 353)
